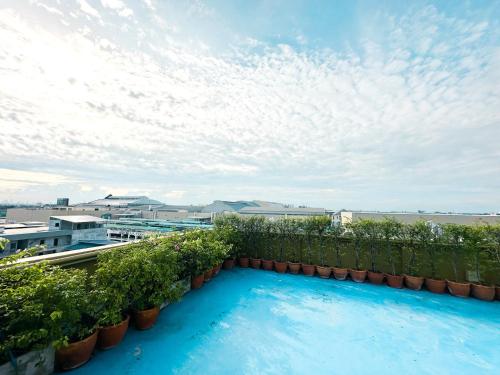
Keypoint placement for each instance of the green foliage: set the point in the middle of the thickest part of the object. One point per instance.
(454, 236)
(41, 304)
(148, 270)
(227, 229)
(390, 232)
(336, 233)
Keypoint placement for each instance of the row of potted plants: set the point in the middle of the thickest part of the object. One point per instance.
(417, 254)
(74, 310)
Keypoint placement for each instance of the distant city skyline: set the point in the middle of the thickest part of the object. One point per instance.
(375, 105)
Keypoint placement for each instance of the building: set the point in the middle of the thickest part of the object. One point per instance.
(122, 202)
(345, 217)
(275, 212)
(62, 202)
(62, 233)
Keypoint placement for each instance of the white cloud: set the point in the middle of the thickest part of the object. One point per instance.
(88, 9)
(14, 180)
(118, 6)
(369, 123)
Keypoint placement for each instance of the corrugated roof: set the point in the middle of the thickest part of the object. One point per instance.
(79, 219)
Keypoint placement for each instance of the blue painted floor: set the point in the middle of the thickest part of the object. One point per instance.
(258, 322)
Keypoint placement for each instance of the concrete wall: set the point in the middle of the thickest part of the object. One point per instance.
(18, 215)
(410, 218)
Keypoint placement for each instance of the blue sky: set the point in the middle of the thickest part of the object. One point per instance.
(387, 105)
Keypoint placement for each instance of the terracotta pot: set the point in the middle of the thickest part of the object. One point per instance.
(243, 262)
(358, 276)
(376, 277)
(435, 285)
(255, 263)
(414, 282)
(340, 273)
(197, 281)
(324, 272)
(228, 264)
(280, 267)
(216, 270)
(394, 281)
(483, 292)
(267, 265)
(145, 319)
(458, 289)
(111, 336)
(207, 276)
(76, 354)
(497, 292)
(294, 267)
(308, 269)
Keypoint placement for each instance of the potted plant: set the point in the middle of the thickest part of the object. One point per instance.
(77, 323)
(152, 273)
(371, 231)
(358, 234)
(336, 234)
(295, 239)
(321, 224)
(454, 236)
(35, 305)
(493, 238)
(255, 224)
(411, 236)
(110, 297)
(227, 230)
(268, 236)
(283, 231)
(430, 241)
(391, 231)
(308, 227)
(476, 244)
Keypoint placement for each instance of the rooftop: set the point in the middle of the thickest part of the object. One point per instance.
(79, 219)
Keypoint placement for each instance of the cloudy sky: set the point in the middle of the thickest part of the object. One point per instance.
(388, 105)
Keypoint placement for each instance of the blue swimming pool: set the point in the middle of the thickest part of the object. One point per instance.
(256, 322)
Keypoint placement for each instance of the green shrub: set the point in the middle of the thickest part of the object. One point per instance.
(42, 304)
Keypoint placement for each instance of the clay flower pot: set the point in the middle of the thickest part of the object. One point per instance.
(207, 275)
(197, 281)
(216, 270)
(145, 319)
(111, 336)
(243, 262)
(308, 269)
(375, 277)
(340, 273)
(497, 292)
(280, 267)
(255, 263)
(267, 265)
(394, 281)
(324, 272)
(75, 354)
(228, 264)
(358, 276)
(414, 282)
(483, 292)
(435, 285)
(458, 289)
(294, 267)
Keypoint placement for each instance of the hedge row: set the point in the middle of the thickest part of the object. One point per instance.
(451, 251)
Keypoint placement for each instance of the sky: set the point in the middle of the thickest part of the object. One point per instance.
(376, 105)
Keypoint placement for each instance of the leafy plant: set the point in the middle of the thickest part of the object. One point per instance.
(41, 304)
(454, 236)
(336, 233)
(390, 231)
(149, 271)
(476, 244)
(370, 233)
(357, 231)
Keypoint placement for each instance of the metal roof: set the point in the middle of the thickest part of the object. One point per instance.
(123, 201)
(79, 219)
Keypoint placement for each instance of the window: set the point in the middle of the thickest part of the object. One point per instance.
(57, 225)
(42, 242)
(56, 241)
